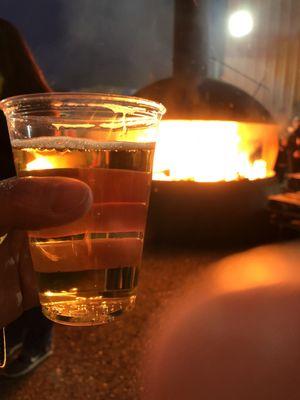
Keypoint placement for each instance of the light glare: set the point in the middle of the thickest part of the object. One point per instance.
(240, 23)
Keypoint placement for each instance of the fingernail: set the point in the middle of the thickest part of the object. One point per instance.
(70, 196)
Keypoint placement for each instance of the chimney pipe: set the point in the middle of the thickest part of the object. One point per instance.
(190, 40)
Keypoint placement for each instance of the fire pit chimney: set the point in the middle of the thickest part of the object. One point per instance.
(190, 40)
(190, 93)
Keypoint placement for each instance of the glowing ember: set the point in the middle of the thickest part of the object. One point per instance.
(212, 151)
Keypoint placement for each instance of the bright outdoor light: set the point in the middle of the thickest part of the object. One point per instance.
(240, 23)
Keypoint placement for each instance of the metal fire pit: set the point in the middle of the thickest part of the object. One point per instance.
(210, 214)
(218, 213)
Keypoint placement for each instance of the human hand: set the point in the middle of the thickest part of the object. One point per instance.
(29, 204)
(234, 335)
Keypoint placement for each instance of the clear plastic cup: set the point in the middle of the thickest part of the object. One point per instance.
(88, 270)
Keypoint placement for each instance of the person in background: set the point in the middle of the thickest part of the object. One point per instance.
(293, 146)
(282, 159)
(30, 335)
(295, 124)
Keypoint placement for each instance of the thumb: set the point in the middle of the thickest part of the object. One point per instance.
(35, 203)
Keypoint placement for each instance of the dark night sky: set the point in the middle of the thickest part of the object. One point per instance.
(85, 44)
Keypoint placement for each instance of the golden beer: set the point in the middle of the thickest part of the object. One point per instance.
(88, 270)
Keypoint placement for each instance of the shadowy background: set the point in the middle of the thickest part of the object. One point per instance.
(92, 44)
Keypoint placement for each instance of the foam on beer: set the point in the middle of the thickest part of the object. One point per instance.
(69, 143)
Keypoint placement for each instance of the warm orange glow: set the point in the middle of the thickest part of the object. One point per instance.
(262, 266)
(42, 161)
(212, 151)
(39, 163)
(250, 276)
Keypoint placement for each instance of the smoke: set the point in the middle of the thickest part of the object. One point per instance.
(116, 43)
(119, 43)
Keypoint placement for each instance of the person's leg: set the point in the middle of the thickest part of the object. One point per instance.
(15, 334)
(38, 330)
(37, 335)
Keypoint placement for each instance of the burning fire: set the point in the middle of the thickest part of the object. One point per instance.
(42, 161)
(202, 151)
(39, 163)
(212, 151)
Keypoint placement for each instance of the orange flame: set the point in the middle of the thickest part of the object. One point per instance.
(212, 151)
(39, 163)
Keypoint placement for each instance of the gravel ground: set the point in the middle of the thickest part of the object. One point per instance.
(102, 363)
